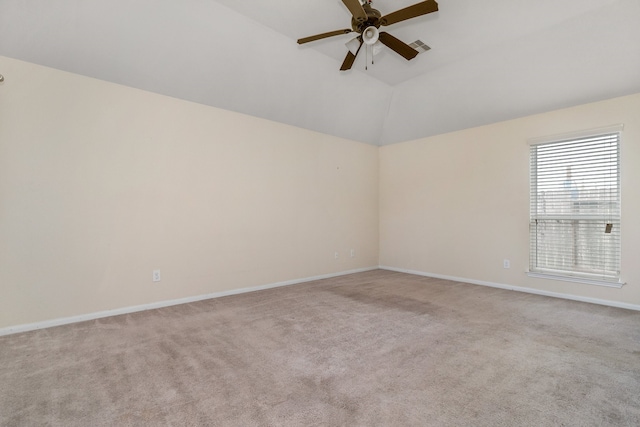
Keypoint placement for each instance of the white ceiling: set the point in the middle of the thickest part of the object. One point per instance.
(489, 61)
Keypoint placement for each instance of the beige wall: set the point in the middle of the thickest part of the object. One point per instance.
(458, 204)
(100, 184)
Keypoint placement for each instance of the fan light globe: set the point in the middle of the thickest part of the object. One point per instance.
(370, 35)
(353, 45)
(377, 48)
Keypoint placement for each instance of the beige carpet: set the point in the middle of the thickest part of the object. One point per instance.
(370, 349)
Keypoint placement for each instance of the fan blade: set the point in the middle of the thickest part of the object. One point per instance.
(416, 10)
(348, 60)
(324, 36)
(398, 46)
(356, 9)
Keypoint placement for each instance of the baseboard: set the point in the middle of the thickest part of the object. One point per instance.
(133, 309)
(517, 288)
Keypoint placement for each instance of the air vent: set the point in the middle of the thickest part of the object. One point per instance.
(420, 46)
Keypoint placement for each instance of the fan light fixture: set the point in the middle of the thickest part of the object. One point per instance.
(370, 35)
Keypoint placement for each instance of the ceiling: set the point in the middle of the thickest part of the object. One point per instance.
(489, 61)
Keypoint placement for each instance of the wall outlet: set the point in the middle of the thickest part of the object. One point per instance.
(336, 255)
(506, 263)
(156, 275)
(353, 253)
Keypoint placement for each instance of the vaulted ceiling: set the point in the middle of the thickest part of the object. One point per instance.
(489, 61)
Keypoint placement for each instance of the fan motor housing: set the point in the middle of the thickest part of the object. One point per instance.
(373, 19)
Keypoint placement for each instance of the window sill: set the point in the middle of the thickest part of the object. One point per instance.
(549, 276)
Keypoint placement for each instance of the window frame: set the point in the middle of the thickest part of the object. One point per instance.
(570, 275)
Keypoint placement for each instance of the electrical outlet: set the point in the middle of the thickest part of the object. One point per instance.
(156, 275)
(353, 253)
(336, 255)
(506, 263)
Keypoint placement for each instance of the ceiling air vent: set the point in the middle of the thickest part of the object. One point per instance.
(419, 46)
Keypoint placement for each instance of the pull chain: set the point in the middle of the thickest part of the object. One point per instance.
(366, 51)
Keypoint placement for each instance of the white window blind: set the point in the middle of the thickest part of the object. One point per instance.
(575, 207)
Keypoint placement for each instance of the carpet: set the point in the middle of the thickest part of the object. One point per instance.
(377, 348)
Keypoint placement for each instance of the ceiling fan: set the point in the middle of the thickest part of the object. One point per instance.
(366, 20)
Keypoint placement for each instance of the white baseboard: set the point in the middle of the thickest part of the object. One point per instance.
(133, 309)
(517, 288)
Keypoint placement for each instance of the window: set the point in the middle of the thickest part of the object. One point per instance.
(575, 207)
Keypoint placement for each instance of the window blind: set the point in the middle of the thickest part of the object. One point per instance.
(575, 207)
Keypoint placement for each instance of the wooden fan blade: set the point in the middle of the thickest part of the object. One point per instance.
(356, 10)
(324, 36)
(398, 46)
(348, 60)
(416, 10)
